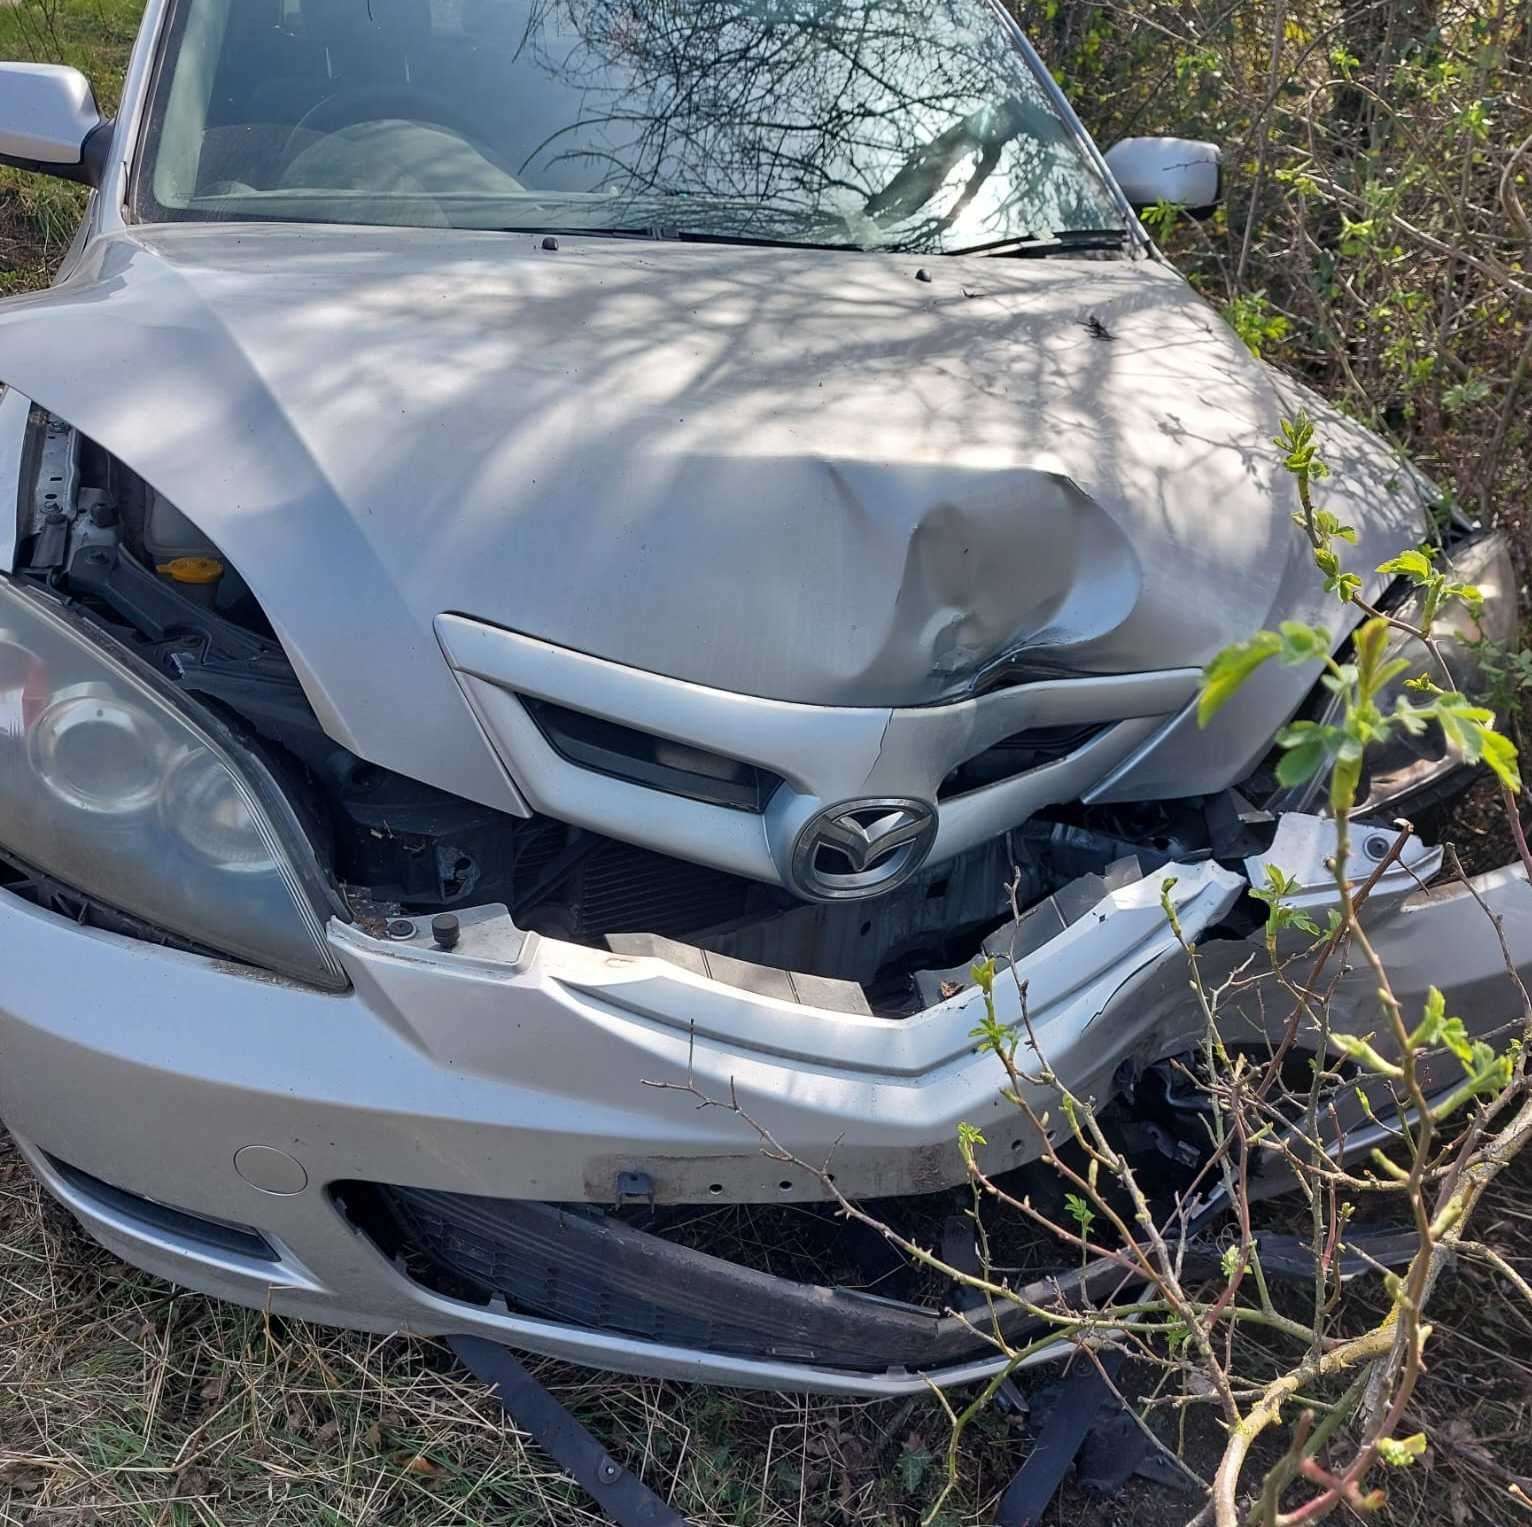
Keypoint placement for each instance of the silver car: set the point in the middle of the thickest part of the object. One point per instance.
(553, 546)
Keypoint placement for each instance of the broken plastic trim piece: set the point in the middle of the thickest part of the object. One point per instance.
(1083, 1419)
(622, 1496)
(1084, 1424)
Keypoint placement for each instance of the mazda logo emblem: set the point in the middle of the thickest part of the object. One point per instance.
(862, 848)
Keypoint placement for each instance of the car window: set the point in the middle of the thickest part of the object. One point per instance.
(907, 124)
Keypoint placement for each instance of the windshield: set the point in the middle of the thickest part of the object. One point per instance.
(898, 124)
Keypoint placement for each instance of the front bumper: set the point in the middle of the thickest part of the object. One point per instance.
(516, 1068)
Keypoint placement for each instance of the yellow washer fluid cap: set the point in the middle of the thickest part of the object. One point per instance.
(192, 569)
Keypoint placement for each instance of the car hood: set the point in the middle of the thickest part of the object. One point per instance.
(821, 477)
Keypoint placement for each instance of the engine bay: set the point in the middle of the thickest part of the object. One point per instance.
(97, 535)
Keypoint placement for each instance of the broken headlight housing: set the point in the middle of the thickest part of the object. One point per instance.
(1404, 767)
(110, 788)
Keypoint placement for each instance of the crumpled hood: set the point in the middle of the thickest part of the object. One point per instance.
(813, 477)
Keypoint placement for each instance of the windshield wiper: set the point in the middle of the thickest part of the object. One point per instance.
(1073, 241)
(682, 236)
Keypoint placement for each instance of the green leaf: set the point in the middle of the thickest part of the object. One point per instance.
(1500, 754)
(1161, 218)
(1357, 1049)
(1079, 1211)
(1436, 1028)
(969, 1136)
(1469, 595)
(1369, 651)
(1454, 1035)
(1279, 916)
(914, 1462)
(1465, 394)
(1306, 753)
(1470, 732)
(1338, 582)
(1303, 644)
(1436, 1007)
(1297, 441)
(1278, 885)
(1331, 527)
(1413, 564)
(1391, 671)
(1167, 906)
(1345, 777)
(1222, 677)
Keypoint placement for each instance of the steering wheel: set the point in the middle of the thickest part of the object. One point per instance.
(377, 103)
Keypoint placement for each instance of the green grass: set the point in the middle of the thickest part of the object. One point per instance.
(38, 214)
(93, 35)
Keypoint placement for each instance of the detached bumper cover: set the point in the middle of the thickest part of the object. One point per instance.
(514, 1069)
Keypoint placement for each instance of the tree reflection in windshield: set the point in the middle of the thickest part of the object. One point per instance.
(909, 124)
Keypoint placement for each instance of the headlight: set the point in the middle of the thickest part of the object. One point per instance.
(1404, 765)
(108, 786)
(97, 753)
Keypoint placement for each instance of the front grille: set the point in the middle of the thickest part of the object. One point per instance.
(623, 889)
(624, 752)
(1017, 754)
(593, 886)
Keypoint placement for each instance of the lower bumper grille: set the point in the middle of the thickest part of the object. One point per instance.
(581, 1268)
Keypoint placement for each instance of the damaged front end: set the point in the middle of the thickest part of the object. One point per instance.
(592, 1076)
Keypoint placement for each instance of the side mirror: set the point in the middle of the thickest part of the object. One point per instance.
(49, 122)
(1178, 170)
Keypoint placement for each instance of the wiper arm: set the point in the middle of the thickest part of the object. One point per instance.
(687, 237)
(1021, 247)
(680, 236)
(1073, 241)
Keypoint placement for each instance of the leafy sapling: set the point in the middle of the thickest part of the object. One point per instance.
(1310, 747)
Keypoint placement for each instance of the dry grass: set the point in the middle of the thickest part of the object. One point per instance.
(124, 1400)
(1476, 1403)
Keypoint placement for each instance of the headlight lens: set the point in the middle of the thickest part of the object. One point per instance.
(107, 786)
(1404, 765)
(215, 819)
(97, 753)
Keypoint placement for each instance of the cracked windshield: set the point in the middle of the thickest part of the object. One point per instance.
(872, 124)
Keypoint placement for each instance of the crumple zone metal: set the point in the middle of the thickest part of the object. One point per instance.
(761, 504)
(1010, 580)
(1106, 984)
(1303, 849)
